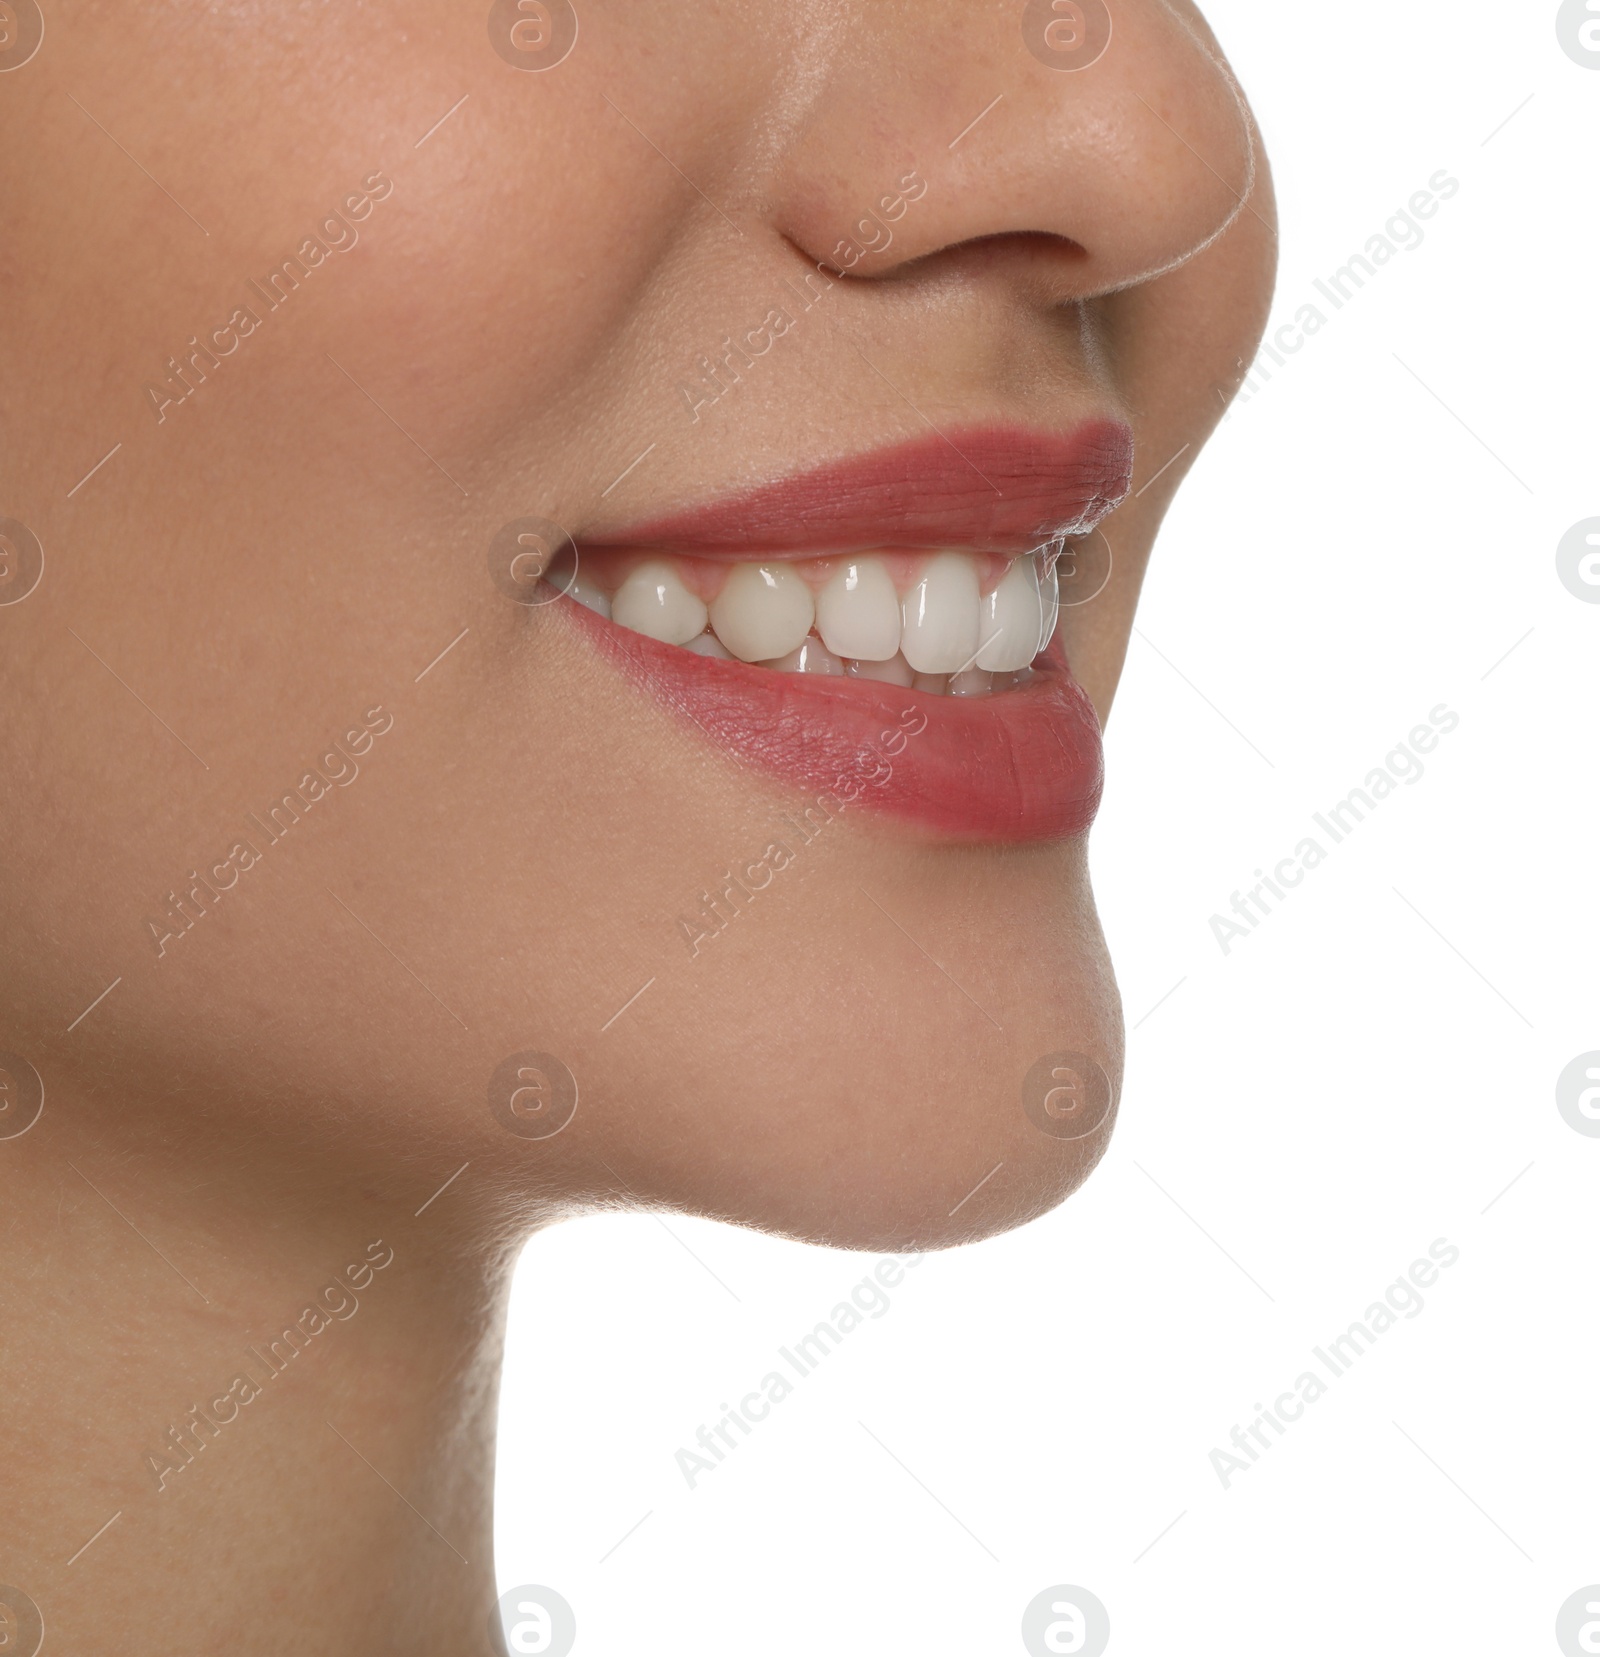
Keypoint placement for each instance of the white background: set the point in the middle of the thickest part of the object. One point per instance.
(1363, 1074)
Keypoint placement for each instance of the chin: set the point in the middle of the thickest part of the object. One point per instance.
(874, 1113)
(891, 1205)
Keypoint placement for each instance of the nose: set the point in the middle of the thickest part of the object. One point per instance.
(1104, 137)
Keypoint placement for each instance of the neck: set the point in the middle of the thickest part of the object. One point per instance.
(239, 1396)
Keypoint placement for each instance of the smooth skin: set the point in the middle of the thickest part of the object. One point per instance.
(261, 565)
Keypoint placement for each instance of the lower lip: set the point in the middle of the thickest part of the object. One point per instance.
(1019, 766)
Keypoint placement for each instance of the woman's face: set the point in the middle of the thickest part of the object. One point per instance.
(774, 318)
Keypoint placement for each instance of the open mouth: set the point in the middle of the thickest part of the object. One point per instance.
(941, 622)
(880, 631)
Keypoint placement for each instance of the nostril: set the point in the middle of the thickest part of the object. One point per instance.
(1010, 248)
(1004, 253)
(1036, 260)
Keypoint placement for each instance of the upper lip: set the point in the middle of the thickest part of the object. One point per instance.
(988, 488)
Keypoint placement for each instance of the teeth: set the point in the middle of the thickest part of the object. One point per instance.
(1049, 596)
(895, 671)
(763, 611)
(708, 644)
(589, 595)
(858, 612)
(654, 601)
(812, 656)
(944, 638)
(939, 618)
(1011, 620)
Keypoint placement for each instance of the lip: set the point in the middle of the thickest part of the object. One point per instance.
(1025, 765)
(984, 489)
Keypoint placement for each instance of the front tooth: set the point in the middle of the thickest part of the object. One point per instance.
(934, 684)
(654, 601)
(895, 671)
(762, 612)
(939, 632)
(589, 595)
(812, 656)
(974, 682)
(1050, 598)
(858, 611)
(1012, 620)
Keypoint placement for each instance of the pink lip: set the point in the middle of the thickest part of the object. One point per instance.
(989, 489)
(1025, 765)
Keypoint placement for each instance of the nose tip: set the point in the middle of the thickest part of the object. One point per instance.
(1126, 148)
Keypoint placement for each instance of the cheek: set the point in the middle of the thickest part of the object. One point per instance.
(529, 264)
(510, 289)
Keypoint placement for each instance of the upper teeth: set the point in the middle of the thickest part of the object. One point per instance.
(654, 600)
(1012, 616)
(939, 617)
(762, 612)
(943, 624)
(858, 611)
